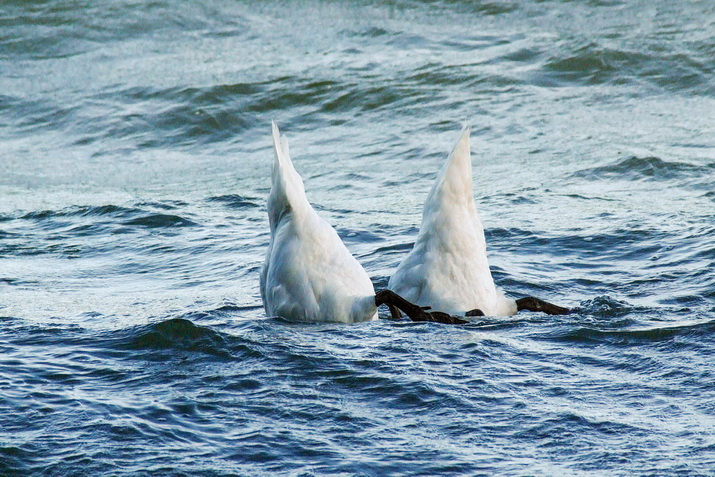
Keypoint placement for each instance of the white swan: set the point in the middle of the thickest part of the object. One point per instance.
(447, 269)
(308, 274)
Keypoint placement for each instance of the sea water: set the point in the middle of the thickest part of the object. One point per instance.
(135, 159)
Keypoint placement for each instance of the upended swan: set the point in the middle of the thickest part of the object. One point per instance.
(447, 269)
(308, 274)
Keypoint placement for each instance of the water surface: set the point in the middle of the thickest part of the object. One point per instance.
(134, 167)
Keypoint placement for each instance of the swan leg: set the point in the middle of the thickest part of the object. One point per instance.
(395, 301)
(394, 311)
(534, 304)
(416, 313)
(439, 317)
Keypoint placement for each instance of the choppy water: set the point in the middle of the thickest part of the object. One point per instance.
(134, 166)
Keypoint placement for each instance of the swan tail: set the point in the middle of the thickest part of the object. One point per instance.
(452, 190)
(454, 181)
(287, 192)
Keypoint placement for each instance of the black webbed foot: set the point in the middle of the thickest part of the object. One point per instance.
(414, 312)
(439, 317)
(534, 304)
(395, 313)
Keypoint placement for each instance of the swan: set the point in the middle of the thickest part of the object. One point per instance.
(308, 273)
(447, 269)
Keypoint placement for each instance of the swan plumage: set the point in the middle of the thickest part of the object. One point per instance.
(447, 268)
(308, 274)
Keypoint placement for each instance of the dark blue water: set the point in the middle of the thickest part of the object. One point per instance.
(134, 167)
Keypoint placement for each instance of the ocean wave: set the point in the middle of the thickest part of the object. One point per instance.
(595, 64)
(606, 307)
(135, 162)
(646, 168)
(235, 201)
(628, 337)
(620, 243)
(160, 221)
(137, 216)
(81, 211)
(177, 334)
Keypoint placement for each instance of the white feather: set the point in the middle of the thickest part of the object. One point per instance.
(308, 274)
(448, 268)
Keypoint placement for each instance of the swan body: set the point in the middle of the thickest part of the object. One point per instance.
(308, 274)
(448, 269)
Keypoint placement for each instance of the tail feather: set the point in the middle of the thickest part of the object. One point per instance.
(287, 192)
(454, 181)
